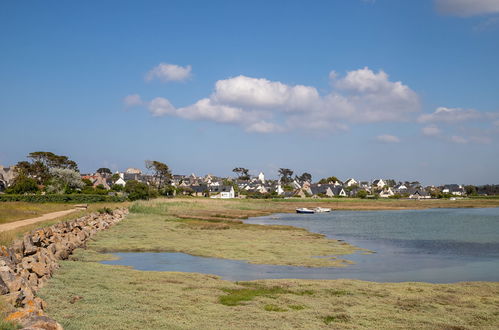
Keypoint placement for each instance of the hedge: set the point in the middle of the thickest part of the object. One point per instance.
(65, 198)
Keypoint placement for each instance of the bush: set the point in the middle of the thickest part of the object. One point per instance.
(23, 185)
(105, 210)
(137, 190)
(61, 198)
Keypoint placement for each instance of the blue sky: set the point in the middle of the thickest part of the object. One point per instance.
(364, 89)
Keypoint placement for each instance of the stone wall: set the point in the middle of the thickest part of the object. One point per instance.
(29, 262)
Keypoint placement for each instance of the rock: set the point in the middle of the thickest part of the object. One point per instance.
(39, 269)
(29, 248)
(4, 289)
(10, 279)
(18, 246)
(39, 322)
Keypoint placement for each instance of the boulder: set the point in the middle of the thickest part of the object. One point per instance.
(38, 322)
(10, 279)
(29, 248)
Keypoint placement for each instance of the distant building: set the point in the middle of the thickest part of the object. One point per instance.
(261, 177)
(132, 170)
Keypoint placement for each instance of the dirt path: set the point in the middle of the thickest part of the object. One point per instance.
(21, 223)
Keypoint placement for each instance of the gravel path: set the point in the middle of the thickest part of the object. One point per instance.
(21, 223)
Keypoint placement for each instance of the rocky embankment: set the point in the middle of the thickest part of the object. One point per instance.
(27, 264)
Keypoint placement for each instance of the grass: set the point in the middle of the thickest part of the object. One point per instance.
(14, 211)
(163, 227)
(85, 294)
(7, 237)
(89, 295)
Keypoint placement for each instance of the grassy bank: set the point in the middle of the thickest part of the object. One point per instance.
(85, 294)
(88, 295)
(21, 208)
(14, 211)
(211, 229)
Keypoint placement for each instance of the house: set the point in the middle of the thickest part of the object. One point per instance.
(454, 189)
(385, 193)
(222, 192)
(351, 182)
(120, 182)
(339, 191)
(261, 177)
(379, 183)
(132, 170)
(318, 190)
(418, 194)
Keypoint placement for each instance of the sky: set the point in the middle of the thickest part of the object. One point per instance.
(368, 89)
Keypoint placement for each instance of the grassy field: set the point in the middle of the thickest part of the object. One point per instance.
(211, 229)
(85, 294)
(7, 237)
(14, 211)
(88, 295)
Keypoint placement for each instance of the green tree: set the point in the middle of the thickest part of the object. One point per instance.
(242, 173)
(22, 185)
(64, 180)
(104, 170)
(305, 177)
(137, 190)
(161, 173)
(331, 179)
(285, 175)
(362, 194)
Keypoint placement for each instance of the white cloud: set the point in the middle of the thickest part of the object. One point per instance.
(261, 105)
(465, 8)
(458, 139)
(375, 98)
(159, 107)
(169, 72)
(451, 115)
(431, 130)
(133, 100)
(386, 138)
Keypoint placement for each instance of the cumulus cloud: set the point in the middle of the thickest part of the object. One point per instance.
(386, 138)
(263, 106)
(452, 115)
(466, 8)
(133, 100)
(431, 130)
(169, 72)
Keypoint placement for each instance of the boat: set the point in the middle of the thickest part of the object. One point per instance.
(322, 209)
(304, 210)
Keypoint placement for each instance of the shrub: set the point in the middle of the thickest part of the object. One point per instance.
(137, 190)
(23, 185)
(61, 198)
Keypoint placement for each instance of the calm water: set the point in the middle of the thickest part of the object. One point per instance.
(439, 246)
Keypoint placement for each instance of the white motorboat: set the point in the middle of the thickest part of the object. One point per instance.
(322, 209)
(304, 210)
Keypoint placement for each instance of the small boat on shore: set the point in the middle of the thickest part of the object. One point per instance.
(305, 210)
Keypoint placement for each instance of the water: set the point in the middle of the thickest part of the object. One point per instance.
(437, 245)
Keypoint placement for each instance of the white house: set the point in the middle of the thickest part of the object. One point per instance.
(386, 193)
(261, 177)
(379, 183)
(222, 192)
(351, 182)
(120, 181)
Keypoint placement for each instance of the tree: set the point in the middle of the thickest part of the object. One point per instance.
(362, 194)
(161, 172)
(137, 190)
(52, 160)
(305, 177)
(331, 179)
(285, 175)
(242, 173)
(64, 180)
(470, 190)
(22, 185)
(104, 170)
